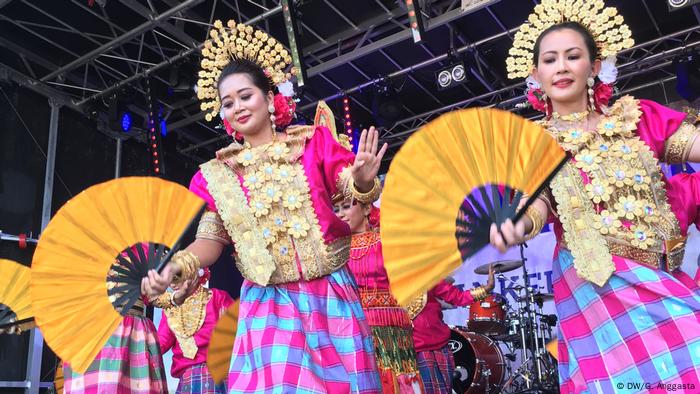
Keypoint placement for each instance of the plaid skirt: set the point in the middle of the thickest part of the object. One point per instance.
(130, 362)
(197, 380)
(303, 337)
(640, 332)
(436, 368)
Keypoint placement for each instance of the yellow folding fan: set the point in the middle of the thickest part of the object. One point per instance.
(449, 182)
(221, 343)
(90, 259)
(15, 301)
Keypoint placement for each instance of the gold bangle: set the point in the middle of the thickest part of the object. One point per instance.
(537, 222)
(189, 266)
(478, 293)
(677, 147)
(369, 197)
(172, 300)
(162, 301)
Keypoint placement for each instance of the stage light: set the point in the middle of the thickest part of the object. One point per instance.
(126, 121)
(153, 135)
(674, 5)
(348, 117)
(451, 76)
(386, 105)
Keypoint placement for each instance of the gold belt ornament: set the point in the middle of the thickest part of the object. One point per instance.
(668, 261)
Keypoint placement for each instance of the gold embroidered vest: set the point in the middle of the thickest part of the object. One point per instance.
(623, 209)
(275, 224)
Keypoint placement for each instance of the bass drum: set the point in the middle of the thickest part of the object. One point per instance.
(479, 363)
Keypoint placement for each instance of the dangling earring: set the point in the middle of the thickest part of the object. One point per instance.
(546, 105)
(591, 94)
(271, 110)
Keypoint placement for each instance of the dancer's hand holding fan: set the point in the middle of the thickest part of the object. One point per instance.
(90, 261)
(450, 182)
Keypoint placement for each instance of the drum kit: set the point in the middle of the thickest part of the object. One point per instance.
(498, 334)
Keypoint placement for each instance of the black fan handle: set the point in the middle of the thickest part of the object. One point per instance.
(176, 245)
(541, 188)
(16, 323)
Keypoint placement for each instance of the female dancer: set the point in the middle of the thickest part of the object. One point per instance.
(390, 324)
(186, 328)
(301, 326)
(627, 314)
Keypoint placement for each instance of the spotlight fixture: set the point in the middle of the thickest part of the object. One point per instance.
(674, 5)
(126, 121)
(450, 76)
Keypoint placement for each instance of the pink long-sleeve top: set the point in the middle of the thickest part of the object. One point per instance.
(218, 303)
(367, 265)
(657, 124)
(429, 331)
(366, 262)
(309, 241)
(323, 159)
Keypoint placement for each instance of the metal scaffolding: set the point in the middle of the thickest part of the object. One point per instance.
(117, 54)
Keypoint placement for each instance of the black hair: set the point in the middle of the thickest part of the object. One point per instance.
(244, 66)
(575, 26)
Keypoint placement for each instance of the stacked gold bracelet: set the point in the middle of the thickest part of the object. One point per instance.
(189, 266)
(479, 293)
(678, 146)
(163, 301)
(537, 222)
(369, 197)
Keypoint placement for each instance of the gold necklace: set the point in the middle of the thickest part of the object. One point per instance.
(247, 144)
(190, 315)
(572, 117)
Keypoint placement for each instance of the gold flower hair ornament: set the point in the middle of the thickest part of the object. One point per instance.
(238, 41)
(608, 28)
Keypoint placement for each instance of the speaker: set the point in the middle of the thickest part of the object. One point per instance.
(674, 5)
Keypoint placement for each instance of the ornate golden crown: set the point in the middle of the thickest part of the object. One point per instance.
(238, 41)
(607, 27)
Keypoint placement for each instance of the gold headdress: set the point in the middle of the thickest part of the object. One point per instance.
(607, 27)
(238, 41)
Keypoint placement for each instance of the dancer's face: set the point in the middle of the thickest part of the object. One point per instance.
(354, 214)
(564, 66)
(245, 105)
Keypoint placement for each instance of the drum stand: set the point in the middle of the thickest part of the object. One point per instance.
(532, 368)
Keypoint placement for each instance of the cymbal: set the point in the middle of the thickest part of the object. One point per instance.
(543, 296)
(499, 266)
